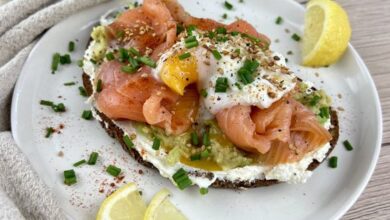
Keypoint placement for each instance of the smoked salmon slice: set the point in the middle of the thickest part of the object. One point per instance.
(150, 26)
(285, 132)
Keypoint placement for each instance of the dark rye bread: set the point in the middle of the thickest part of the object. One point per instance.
(117, 133)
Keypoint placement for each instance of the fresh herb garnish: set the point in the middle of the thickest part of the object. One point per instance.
(194, 139)
(190, 28)
(128, 69)
(69, 84)
(113, 170)
(203, 93)
(156, 143)
(206, 139)
(134, 51)
(324, 112)
(347, 145)
(333, 162)
(181, 179)
(87, 115)
(228, 5)
(123, 55)
(99, 86)
(221, 84)
(224, 16)
(70, 177)
(47, 103)
(216, 54)
(93, 158)
(184, 56)
(65, 59)
(221, 30)
(49, 131)
(203, 191)
(147, 61)
(82, 91)
(79, 163)
(71, 46)
(296, 37)
(110, 56)
(128, 142)
(55, 62)
(279, 20)
(80, 63)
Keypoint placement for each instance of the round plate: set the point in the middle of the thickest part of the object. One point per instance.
(327, 195)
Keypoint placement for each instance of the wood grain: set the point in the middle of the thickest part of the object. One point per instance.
(371, 37)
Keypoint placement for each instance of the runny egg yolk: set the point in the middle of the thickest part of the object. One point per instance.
(177, 73)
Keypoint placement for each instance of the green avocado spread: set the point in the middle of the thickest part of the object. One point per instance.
(219, 153)
(101, 43)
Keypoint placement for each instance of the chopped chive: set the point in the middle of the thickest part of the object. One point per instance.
(211, 34)
(238, 85)
(179, 29)
(123, 55)
(224, 16)
(120, 34)
(65, 59)
(128, 69)
(206, 139)
(234, 33)
(59, 107)
(87, 115)
(179, 173)
(191, 44)
(147, 61)
(128, 142)
(93, 158)
(204, 93)
(113, 170)
(190, 39)
(71, 46)
(245, 76)
(314, 100)
(221, 84)
(205, 153)
(296, 37)
(110, 56)
(82, 91)
(324, 112)
(228, 5)
(194, 139)
(279, 20)
(222, 38)
(190, 28)
(184, 56)
(49, 131)
(156, 143)
(333, 162)
(80, 63)
(99, 86)
(347, 145)
(251, 65)
(181, 179)
(221, 30)
(184, 183)
(69, 84)
(216, 54)
(78, 163)
(69, 177)
(203, 191)
(47, 103)
(195, 157)
(134, 63)
(93, 61)
(134, 51)
(55, 61)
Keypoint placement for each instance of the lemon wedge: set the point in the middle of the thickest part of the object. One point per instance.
(327, 33)
(161, 208)
(124, 204)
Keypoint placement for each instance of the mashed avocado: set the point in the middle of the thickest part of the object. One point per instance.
(316, 100)
(221, 154)
(101, 43)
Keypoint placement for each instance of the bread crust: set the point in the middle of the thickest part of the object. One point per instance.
(115, 132)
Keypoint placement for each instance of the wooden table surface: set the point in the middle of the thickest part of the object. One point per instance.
(371, 37)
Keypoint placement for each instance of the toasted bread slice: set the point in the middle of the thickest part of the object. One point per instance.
(117, 133)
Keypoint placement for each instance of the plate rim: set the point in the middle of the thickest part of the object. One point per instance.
(360, 64)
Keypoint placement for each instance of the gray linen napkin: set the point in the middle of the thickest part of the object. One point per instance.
(22, 194)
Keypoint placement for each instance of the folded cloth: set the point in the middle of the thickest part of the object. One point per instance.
(22, 194)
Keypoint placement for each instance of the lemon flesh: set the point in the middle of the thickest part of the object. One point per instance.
(124, 204)
(327, 33)
(160, 208)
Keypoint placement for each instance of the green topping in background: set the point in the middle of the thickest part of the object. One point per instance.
(100, 37)
(317, 101)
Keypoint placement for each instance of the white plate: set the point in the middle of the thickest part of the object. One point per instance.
(327, 195)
